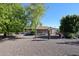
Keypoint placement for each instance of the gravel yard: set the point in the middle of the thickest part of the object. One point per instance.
(39, 47)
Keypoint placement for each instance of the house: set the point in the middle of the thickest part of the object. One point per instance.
(43, 30)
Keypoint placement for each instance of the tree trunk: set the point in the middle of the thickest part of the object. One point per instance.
(35, 33)
(48, 34)
(5, 34)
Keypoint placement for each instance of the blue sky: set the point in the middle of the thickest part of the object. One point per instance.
(55, 11)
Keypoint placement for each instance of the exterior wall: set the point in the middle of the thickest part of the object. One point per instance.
(42, 31)
(54, 32)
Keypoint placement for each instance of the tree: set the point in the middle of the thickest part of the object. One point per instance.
(14, 17)
(69, 25)
(11, 18)
(34, 13)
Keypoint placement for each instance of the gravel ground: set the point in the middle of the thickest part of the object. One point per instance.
(39, 47)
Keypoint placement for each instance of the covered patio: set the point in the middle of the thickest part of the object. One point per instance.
(43, 31)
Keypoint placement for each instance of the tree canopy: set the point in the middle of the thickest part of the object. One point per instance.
(14, 17)
(34, 13)
(11, 18)
(70, 24)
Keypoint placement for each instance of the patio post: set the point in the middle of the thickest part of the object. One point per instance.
(48, 34)
(35, 31)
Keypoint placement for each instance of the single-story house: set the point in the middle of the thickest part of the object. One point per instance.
(43, 30)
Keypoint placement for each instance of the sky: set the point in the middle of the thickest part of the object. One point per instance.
(55, 11)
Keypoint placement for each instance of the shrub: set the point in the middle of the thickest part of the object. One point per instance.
(70, 26)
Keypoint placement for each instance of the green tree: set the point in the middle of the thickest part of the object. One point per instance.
(34, 13)
(11, 18)
(69, 25)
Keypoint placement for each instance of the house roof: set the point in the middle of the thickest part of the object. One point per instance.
(42, 27)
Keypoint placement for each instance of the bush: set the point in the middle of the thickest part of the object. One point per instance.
(77, 34)
(70, 26)
(32, 32)
(71, 35)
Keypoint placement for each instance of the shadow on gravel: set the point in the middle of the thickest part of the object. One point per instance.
(70, 43)
(39, 40)
(72, 55)
(2, 38)
(51, 37)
